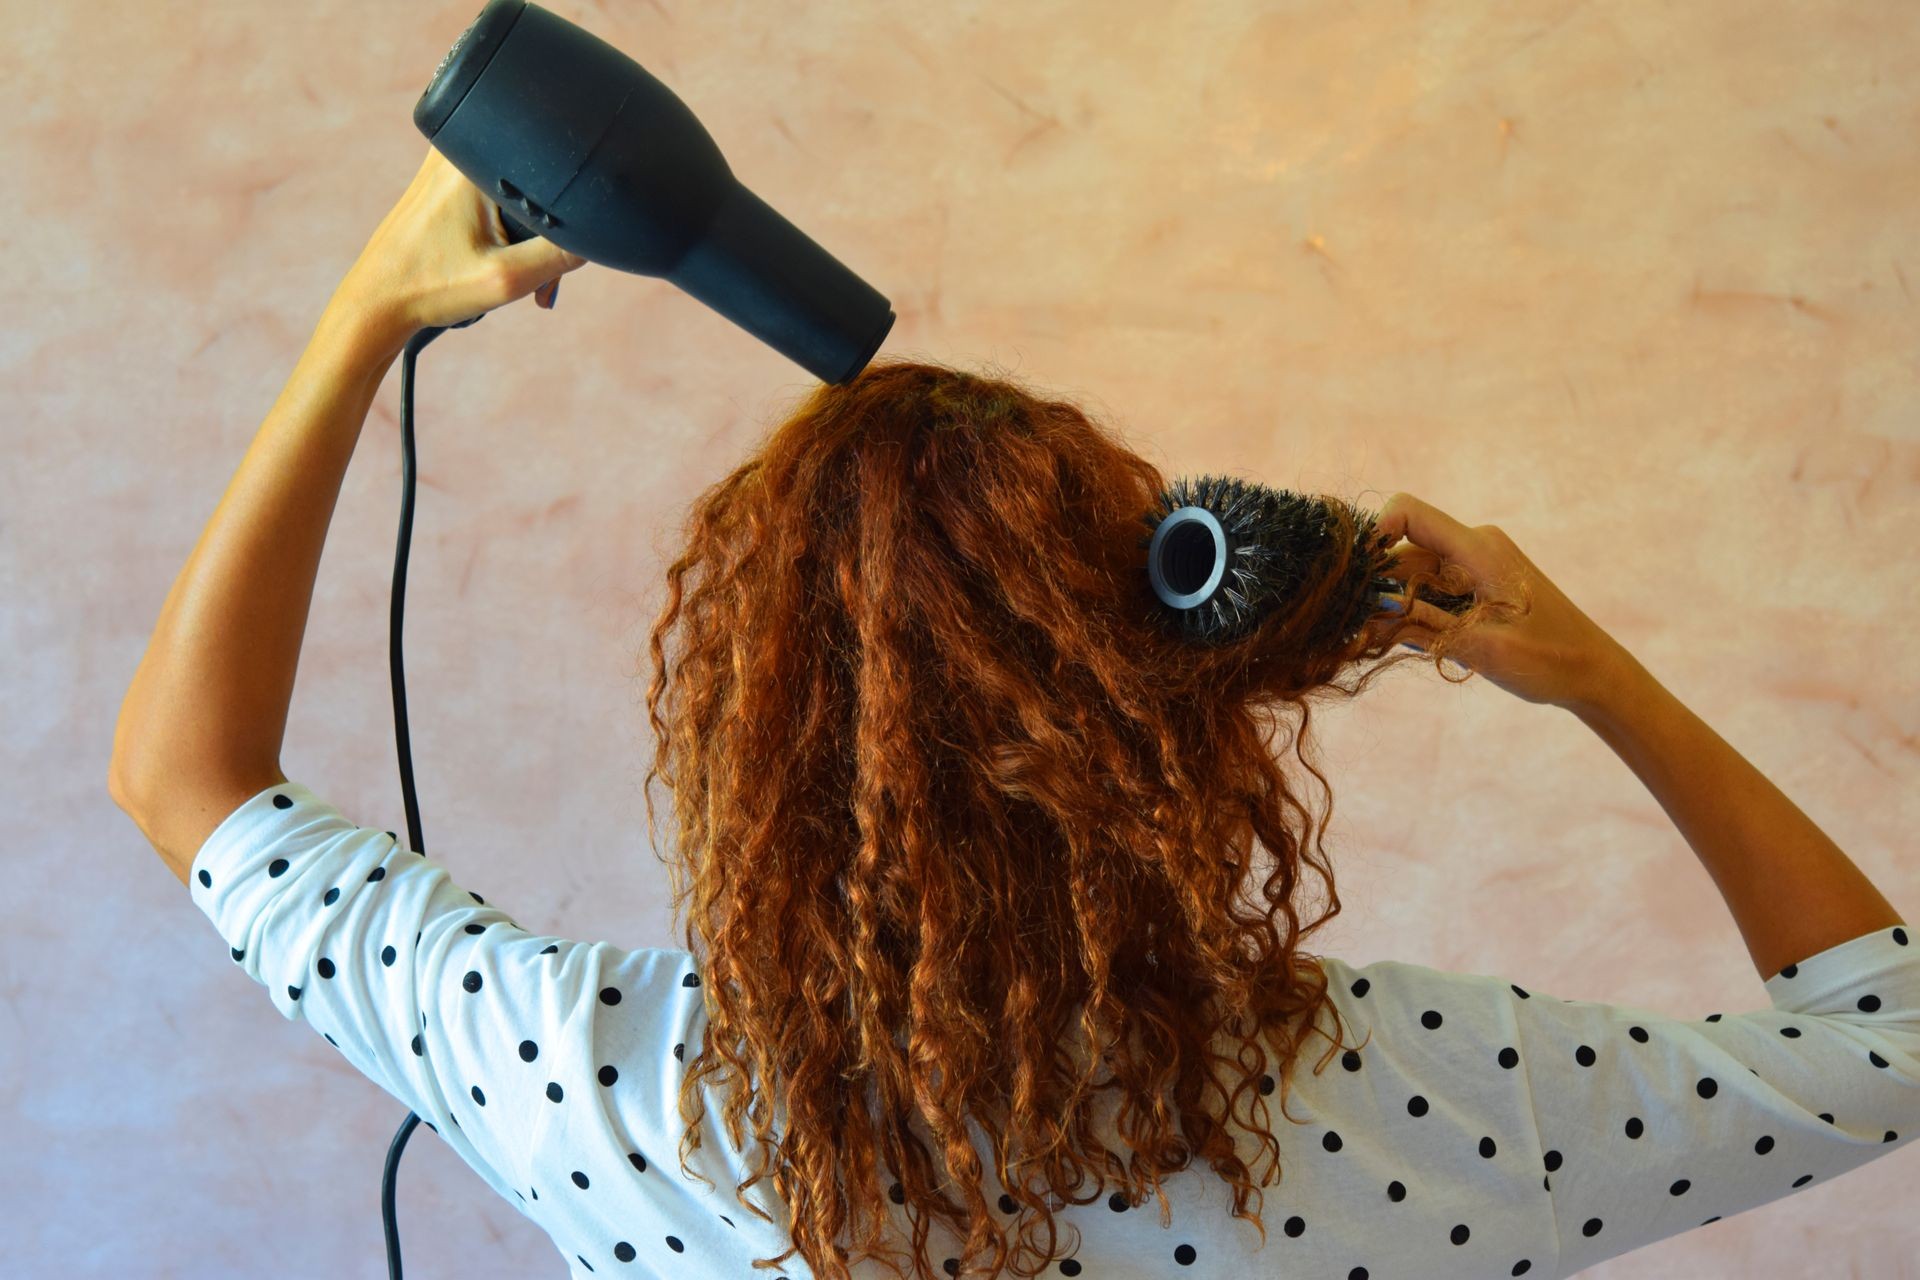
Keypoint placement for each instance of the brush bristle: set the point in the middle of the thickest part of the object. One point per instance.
(1276, 541)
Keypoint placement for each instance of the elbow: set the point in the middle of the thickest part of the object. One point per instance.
(119, 787)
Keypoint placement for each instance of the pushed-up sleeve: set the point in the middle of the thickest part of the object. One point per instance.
(1652, 1125)
(435, 996)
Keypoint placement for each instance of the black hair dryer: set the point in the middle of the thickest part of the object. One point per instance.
(576, 142)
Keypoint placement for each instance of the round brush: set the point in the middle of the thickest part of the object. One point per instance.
(1224, 553)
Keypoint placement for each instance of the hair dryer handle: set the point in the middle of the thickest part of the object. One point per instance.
(516, 231)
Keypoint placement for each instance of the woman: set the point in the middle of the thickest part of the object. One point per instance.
(995, 934)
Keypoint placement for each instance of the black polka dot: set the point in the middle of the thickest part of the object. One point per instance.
(1350, 1060)
(478, 1096)
(476, 928)
(1069, 1267)
(387, 955)
(673, 1243)
(283, 802)
(325, 967)
(1416, 1106)
(277, 868)
(554, 1092)
(529, 1051)
(1552, 1161)
(1460, 1233)
(1330, 1140)
(624, 1251)
(1638, 1033)
(1118, 1203)
(1431, 1019)
(1509, 1058)
(376, 875)
(333, 896)
(206, 881)
(1591, 1227)
(691, 980)
(1763, 1146)
(1707, 1087)
(1521, 1267)
(1295, 1227)
(1358, 1273)
(1361, 988)
(1584, 1056)
(419, 1049)
(610, 995)
(1487, 1149)
(637, 1160)
(1185, 1255)
(608, 1075)
(1634, 1127)
(1869, 1004)
(1679, 1188)
(1396, 1191)
(579, 1179)
(472, 981)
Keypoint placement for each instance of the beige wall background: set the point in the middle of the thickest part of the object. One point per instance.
(1638, 282)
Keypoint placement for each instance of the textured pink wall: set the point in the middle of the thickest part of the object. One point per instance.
(1637, 283)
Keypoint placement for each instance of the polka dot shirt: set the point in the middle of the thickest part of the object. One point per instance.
(1484, 1130)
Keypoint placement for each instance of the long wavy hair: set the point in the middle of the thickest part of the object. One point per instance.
(945, 779)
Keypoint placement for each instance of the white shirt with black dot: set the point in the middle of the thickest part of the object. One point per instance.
(1483, 1130)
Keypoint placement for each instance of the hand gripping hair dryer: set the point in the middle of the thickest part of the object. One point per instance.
(574, 141)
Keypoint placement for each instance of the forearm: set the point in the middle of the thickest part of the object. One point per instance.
(212, 691)
(1791, 890)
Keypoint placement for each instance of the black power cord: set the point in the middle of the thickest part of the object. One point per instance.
(396, 618)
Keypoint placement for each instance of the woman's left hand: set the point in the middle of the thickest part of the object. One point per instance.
(441, 256)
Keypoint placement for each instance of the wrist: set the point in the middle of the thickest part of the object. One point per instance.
(361, 331)
(1615, 681)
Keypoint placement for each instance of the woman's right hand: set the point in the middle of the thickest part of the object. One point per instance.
(1543, 649)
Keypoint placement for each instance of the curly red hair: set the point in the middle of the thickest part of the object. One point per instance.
(944, 781)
